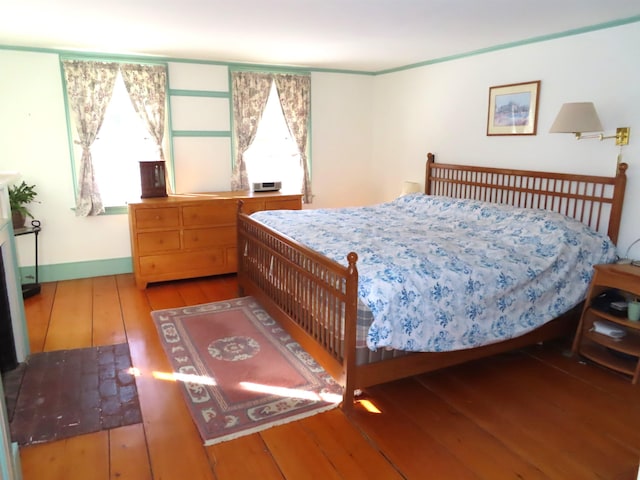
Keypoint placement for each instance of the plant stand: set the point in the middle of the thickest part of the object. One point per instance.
(31, 289)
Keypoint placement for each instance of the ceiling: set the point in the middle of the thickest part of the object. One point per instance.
(359, 35)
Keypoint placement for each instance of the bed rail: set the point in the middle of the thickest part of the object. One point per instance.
(593, 200)
(310, 295)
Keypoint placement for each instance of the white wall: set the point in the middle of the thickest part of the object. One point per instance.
(341, 140)
(200, 163)
(33, 141)
(442, 108)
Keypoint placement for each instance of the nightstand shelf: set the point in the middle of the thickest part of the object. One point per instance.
(601, 354)
(621, 355)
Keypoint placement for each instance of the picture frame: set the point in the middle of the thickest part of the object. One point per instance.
(513, 109)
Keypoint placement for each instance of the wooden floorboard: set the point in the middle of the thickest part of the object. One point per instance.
(108, 327)
(71, 321)
(353, 454)
(532, 414)
(128, 455)
(558, 391)
(175, 447)
(408, 447)
(440, 420)
(245, 457)
(38, 313)
(496, 393)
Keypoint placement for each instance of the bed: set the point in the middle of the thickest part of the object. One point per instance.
(319, 300)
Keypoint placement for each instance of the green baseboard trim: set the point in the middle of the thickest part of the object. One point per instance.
(75, 270)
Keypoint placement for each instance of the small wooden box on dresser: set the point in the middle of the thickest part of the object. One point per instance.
(192, 235)
(622, 355)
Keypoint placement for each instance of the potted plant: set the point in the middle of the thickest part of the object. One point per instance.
(20, 196)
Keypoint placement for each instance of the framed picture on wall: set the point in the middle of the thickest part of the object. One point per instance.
(513, 109)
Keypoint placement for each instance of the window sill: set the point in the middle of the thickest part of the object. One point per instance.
(119, 210)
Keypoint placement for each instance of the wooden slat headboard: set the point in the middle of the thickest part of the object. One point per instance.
(593, 200)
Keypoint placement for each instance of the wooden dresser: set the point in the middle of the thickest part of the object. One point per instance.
(186, 236)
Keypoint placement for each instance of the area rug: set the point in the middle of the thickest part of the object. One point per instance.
(64, 393)
(240, 372)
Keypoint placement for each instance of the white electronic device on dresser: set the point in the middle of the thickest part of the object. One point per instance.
(266, 186)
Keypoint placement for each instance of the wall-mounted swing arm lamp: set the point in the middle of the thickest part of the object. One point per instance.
(581, 117)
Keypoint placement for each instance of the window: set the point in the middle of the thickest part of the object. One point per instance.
(118, 115)
(274, 155)
(271, 113)
(122, 142)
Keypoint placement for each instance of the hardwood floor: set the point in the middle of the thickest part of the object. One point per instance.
(530, 414)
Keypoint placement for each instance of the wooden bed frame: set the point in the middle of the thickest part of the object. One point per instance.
(315, 299)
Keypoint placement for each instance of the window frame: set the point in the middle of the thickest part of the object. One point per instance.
(272, 70)
(71, 135)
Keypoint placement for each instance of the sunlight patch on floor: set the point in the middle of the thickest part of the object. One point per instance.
(369, 406)
(184, 377)
(291, 392)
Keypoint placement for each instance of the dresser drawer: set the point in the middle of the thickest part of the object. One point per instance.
(199, 263)
(285, 204)
(209, 237)
(154, 242)
(220, 213)
(157, 217)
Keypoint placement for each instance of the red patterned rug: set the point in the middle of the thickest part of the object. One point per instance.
(241, 372)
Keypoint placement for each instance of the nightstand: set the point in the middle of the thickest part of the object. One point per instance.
(622, 355)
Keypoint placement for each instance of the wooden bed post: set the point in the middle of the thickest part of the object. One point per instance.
(240, 253)
(350, 326)
(431, 158)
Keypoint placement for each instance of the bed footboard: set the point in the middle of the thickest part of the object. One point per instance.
(311, 296)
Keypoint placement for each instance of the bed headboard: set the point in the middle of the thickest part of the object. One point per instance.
(593, 200)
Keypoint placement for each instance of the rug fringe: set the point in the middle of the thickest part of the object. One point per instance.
(261, 428)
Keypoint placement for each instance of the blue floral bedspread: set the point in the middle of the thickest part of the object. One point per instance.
(445, 274)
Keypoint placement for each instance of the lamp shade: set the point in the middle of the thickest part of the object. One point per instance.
(576, 118)
(410, 187)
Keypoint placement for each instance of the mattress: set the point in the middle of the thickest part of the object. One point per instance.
(441, 274)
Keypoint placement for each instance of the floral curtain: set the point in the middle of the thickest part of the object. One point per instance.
(295, 98)
(146, 85)
(250, 94)
(89, 90)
